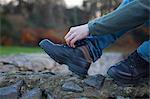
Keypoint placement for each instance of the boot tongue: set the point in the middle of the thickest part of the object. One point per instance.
(86, 53)
(82, 45)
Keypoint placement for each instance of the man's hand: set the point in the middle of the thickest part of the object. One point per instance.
(76, 33)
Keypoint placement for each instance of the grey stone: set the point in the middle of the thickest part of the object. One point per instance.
(95, 81)
(8, 93)
(18, 85)
(39, 62)
(50, 96)
(71, 86)
(24, 66)
(53, 84)
(8, 68)
(82, 98)
(121, 97)
(35, 93)
(34, 62)
(31, 62)
(2, 78)
(11, 92)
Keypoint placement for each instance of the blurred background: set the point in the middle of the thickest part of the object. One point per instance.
(23, 23)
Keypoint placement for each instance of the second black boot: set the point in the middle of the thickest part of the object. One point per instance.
(130, 70)
(77, 59)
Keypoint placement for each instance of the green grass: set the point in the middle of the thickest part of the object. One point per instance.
(18, 50)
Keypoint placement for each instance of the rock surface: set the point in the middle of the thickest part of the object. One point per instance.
(8, 92)
(35, 93)
(71, 86)
(50, 96)
(30, 62)
(11, 92)
(53, 84)
(37, 76)
(42, 62)
(95, 81)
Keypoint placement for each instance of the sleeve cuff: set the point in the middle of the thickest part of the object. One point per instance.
(91, 27)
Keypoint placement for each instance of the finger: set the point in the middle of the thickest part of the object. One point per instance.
(72, 42)
(69, 33)
(69, 39)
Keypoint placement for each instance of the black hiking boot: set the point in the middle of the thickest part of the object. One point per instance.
(77, 59)
(130, 70)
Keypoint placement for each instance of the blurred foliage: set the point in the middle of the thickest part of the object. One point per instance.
(26, 22)
(8, 32)
(6, 26)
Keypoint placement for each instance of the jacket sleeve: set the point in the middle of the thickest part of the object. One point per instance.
(127, 17)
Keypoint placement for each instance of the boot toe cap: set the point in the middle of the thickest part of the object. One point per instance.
(45, 42)
(111, 71)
